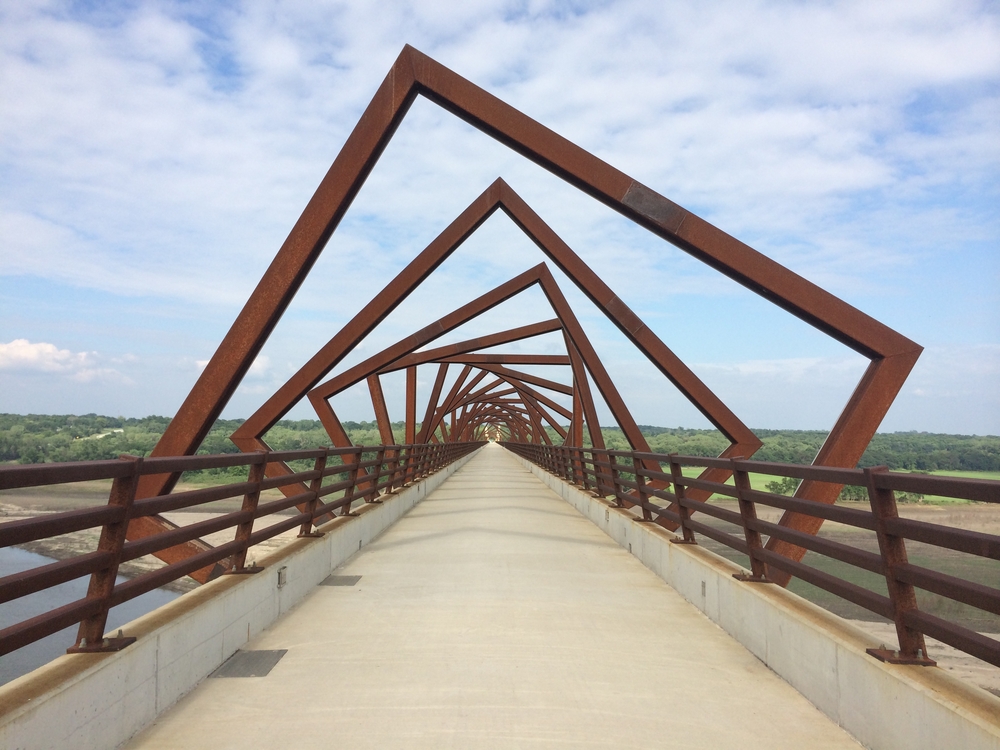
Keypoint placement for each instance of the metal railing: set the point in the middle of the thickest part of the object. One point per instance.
(630, 479)
(362, 474)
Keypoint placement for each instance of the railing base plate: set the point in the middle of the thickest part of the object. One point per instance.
(683, 541)
(894, 657)
(104, 646)
(311, 535)
(249, 570)
(750, 578)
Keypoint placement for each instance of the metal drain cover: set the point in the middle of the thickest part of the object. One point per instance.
(340, 581)
(249, 663)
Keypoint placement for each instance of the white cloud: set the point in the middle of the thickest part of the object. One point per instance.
(21, 355)
(165, 151)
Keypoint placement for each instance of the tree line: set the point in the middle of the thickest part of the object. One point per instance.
(38, 438)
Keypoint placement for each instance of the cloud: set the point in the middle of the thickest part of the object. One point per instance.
(162, 151)
(21, 355)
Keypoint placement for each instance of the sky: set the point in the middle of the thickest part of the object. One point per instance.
(155, 155)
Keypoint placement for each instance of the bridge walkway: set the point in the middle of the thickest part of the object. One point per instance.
(494, 615)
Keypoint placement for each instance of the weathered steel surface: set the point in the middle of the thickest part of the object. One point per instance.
(892, 355)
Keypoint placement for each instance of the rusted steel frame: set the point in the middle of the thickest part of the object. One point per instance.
(487, 392)
(471, 345)
(541, 400)
(462, 397)
(415, 73)
(581, 386)
(849, 438)
(534, 415)
(893, 549)
(90, 636)
(576, 431)
(319, 396)
(540, 397)
(442, 409)
(426, 427)
(529, 400)
(391, 354)
(244, 530)
(384, 425)
(547, 360)
(381, 411)
(410, 436)
(507, 373)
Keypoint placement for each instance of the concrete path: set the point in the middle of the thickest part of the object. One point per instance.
(494, 615)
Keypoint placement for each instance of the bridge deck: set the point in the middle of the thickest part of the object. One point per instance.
(494, 615)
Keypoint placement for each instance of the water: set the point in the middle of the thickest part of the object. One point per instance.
(34, 655)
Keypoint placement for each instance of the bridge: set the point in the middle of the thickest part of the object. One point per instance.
(496, 575)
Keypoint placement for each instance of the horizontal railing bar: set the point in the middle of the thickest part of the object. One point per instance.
(967, 592)
(28, 582)
(713, 510)
(871, 601)
(702, 484)
(55, 524)
(35, 475)
(962, 540)
(164, 540)
(862, 519)
(838, 551)
(964, 639)
(981, 490)
(36, 628)
(152, 506)
(735, 542)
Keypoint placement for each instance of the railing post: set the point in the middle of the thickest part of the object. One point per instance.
(911, 642)
(352, 475)
(90, 636)
(566, 463)
(748, 513)
(687, 536)
(616, 486)
(372, 496)
(643, 489)
(244, 530)
(394, 475)
(583, 470)
(576, 456)
(314, 487)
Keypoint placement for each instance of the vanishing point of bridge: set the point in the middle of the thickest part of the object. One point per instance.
(497, 602)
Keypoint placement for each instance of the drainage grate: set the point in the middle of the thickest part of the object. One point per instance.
(249, 664)
(340, 581)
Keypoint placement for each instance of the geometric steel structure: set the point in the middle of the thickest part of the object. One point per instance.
(891, 356)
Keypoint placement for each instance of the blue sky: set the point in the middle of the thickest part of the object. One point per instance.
(154, 155)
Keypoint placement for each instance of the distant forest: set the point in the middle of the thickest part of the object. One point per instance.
(36, 438)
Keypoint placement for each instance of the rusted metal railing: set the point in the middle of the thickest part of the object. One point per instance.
(349, 473)
(626, 478)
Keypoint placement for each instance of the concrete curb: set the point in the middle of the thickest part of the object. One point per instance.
(884, 706)
(102, 700)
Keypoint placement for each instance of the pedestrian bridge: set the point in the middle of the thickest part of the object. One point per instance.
(494, 615)
(492, 604)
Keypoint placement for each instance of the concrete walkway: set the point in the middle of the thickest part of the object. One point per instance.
(494, 615)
